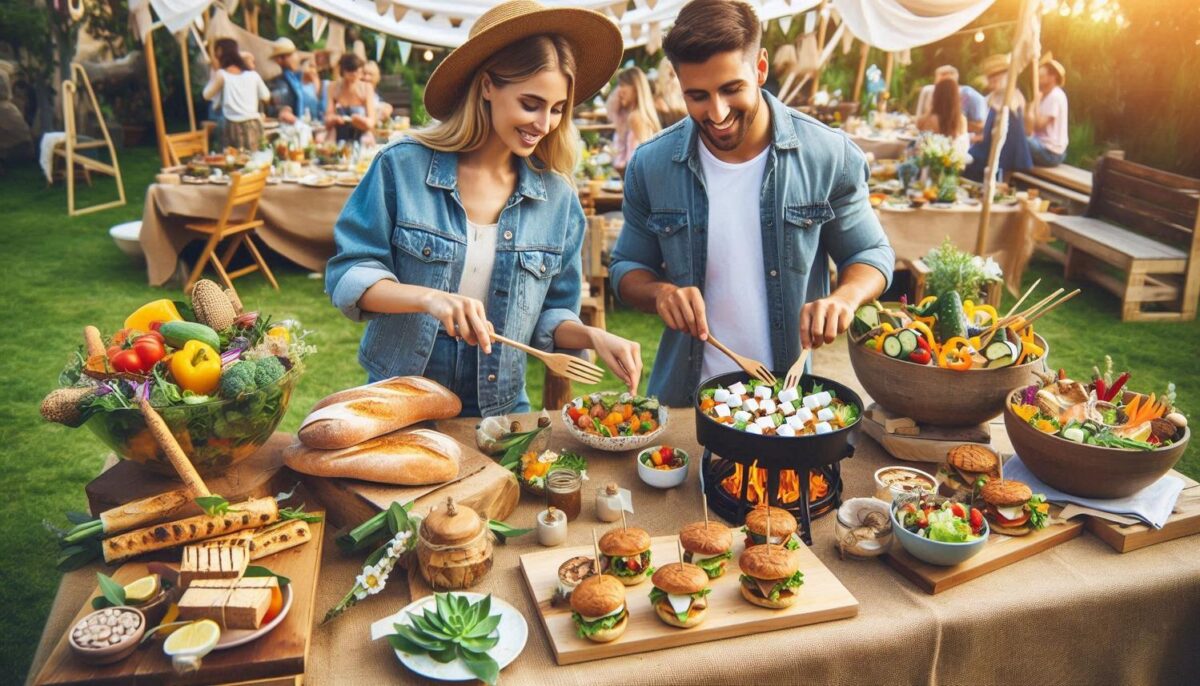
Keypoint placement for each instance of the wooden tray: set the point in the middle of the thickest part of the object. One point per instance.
(904, 439)
(1185, 521)
(822, 598)
(1000, 551)
(281, 653)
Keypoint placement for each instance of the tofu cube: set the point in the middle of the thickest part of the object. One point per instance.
(763, 392)
(721, 395)
(768, 406)
(805, 415)
(738, 388)
(823, 428)
(789, 395)
(787, 408)
(742, 416)
(734, 400)
(825, 415)
(765, 422)
(785, 430)
(812, 402)
(750, 405)
(825, 398)
(754, 429)
(722, 410)
(795, 422)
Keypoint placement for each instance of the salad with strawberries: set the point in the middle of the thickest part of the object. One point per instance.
(949, 522)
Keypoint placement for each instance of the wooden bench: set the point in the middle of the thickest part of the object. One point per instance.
(1063, 181)
(1145, 223)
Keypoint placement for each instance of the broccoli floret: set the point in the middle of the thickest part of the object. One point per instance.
(238, 379)
(267, 371)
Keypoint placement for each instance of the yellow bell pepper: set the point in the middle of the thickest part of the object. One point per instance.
(925, 301)
(991, 312)
(158, 311)
(279, 332)
(197, 367)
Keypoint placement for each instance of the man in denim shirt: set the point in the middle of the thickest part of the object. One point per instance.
(732, 214)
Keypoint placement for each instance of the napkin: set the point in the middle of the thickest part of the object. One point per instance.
(1152, 505)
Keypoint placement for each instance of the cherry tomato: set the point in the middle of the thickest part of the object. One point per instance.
(976, 519)
(150, 350)
(668, 453)
(127, 361)
(958, 510)
(113, 350)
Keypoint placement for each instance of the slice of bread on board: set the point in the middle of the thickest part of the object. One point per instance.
(349, 417)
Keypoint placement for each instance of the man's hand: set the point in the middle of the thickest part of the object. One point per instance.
(682, 309)
(823, 320)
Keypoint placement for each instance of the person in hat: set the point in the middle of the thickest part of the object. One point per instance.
(287, 90)
(473, 225)
(732, 214)
(1014, 153)
(1047, 119)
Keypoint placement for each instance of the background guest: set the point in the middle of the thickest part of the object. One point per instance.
(1047, 120)
(313, 88)
(248, 60)
(946, 117)
(971, 102)
(668, 97)
(372, 76)
(287, 97)
(240, 90)
(350, 106)
(1014, 154)
(631, 110)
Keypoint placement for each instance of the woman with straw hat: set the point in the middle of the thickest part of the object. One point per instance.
(473, 225)
(1014, 152)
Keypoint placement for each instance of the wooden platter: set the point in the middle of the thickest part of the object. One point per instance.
(904, 439)
(1000, 551)
(1185, 521)
(822, 599)
(282, 653)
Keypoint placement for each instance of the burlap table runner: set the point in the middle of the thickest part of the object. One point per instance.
(299, 222)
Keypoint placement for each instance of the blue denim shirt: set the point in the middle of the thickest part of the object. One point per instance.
(813, 205)
(405, 222)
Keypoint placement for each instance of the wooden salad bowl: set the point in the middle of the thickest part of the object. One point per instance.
(1089, 471)
(937, 396)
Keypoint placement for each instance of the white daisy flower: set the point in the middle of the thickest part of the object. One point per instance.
(372, 579)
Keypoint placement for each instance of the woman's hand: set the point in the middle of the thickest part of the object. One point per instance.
(463, 317)
(623, 357)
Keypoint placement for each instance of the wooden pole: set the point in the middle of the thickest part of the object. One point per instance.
(1000, 131)
(182, 39)
(816, 77)
(862, 72)
(160, 125)
(887, 71)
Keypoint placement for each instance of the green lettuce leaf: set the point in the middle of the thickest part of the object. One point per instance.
(585, 629)
(712, 565)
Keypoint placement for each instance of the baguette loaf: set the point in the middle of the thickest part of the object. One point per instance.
(352, 416)
(404, 458)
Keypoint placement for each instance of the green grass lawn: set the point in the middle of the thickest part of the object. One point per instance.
(59, 274)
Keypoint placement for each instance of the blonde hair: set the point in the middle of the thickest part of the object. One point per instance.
(666, 87)
(470, 124)
(636, 79)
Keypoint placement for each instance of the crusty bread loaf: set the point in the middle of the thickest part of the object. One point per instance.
(352, 416)
(404, 458)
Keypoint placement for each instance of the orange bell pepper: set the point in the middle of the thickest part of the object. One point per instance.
(956, 354)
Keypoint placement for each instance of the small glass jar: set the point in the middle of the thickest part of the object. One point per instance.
(551, 527)
(563, 491)
(608, 503)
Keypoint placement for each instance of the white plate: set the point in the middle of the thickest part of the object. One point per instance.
(231, 638)
(513, 628)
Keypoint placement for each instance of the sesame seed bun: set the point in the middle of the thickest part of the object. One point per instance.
(706, 541)
(625, 542)
(680, 578)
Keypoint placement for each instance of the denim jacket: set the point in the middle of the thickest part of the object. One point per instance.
(405, 222)
(813, 205)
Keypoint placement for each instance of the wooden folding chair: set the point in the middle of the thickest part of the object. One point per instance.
(245, 190)
(181, 147)
(68, 149)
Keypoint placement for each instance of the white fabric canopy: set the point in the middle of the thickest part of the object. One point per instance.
(893, 25)
(174, 14)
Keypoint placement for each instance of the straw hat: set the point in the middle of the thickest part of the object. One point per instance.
(1049, 61)
(594, 38)
(282, 46)
(994, 64)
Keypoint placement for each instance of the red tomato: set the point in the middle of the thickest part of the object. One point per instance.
(127, 361)
(154, 334)
(574, 413)
(668, 453)
(113, 350)
(976, 520)
(149, 350)
(920, 355)
(958, 510)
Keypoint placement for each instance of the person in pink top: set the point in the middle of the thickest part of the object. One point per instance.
(1047, 119)
(631, 110)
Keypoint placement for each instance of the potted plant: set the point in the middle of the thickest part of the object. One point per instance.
(947, 268)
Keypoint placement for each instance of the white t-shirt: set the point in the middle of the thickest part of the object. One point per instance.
(735, 287)
(241, 94)
(481, 256)
(1054, 136)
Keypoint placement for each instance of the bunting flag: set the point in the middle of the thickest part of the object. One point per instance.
(847, 42)
(380, 44)
(381, 6)
(336, 44)
(319, 22)
(405, 50)
(618, 9)
(298, 16)
(810, 22)
(635, 31)
(654, 41)
(785, 24)
(398, 12)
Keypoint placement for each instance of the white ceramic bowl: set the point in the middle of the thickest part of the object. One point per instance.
(888, 494)
(663, 478)
(127, 236)
(847, 522)
(615, 444)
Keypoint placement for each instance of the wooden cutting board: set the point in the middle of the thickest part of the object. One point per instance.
(822, 598)
(281, 653)
(1185, 521)
(999, 551)
(905, 440)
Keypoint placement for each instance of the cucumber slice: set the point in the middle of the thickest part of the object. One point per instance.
(908, 341)
(996, 350)
(892, 347)
(865, 319)
(1000, 361)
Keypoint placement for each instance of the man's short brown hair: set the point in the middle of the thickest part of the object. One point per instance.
(708, 27)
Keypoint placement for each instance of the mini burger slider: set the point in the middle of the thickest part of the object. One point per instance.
(967, 467)
(707, 546)
(783, 526)
(1012, 508)
(625, 553)
(771, 575)
(598, 608)
(679, 594)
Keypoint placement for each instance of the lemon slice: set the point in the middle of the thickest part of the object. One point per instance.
(193, 640)
(142, 590)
